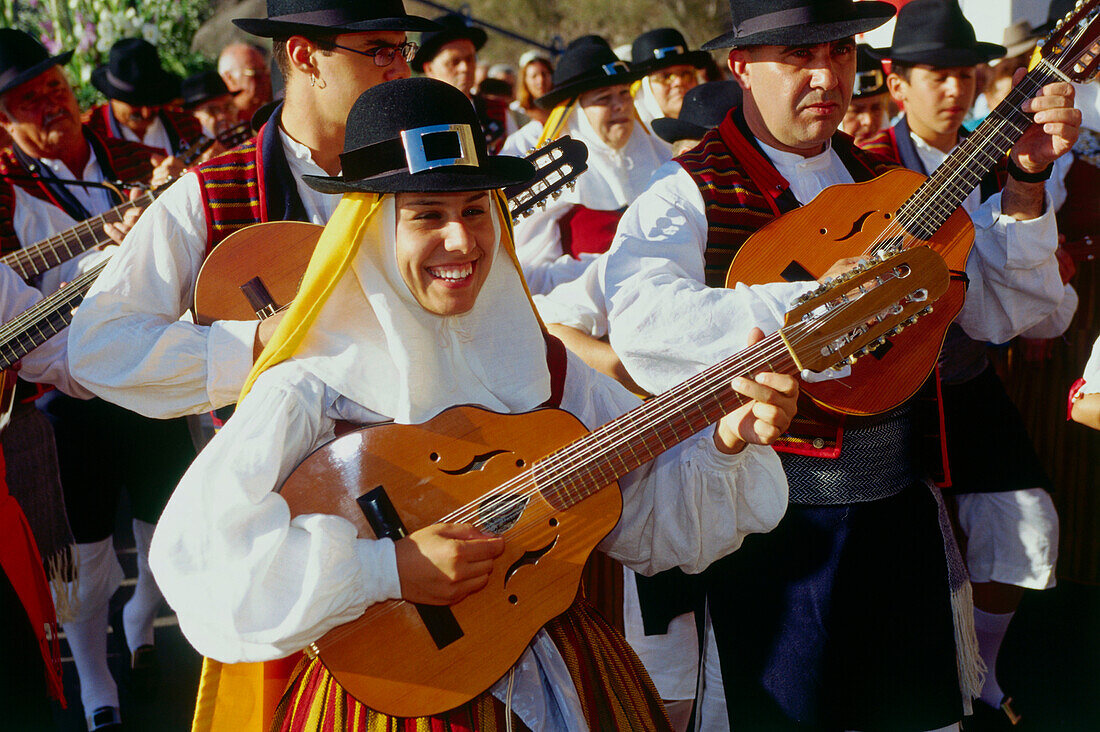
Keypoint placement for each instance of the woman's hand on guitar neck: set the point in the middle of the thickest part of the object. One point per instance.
(443, 563)
(761, 421)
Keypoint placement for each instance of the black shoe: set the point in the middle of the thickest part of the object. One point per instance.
(987, 719)
(145, 672)
(105, 719)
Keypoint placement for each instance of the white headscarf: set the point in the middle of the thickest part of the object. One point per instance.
(374, 343)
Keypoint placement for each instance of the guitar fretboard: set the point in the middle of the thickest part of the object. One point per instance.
(945, 190)
(45, 319)
(48, 253)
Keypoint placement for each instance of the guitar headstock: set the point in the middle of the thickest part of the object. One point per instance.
(1073, 48)
(855, 312)
(557, 165)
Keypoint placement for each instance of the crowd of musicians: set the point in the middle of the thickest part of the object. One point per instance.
(788, 563)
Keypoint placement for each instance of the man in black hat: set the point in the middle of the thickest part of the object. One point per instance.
(997, 481)
(845, 616)
(51, 146)
(450, 55)
(209, 100)
(704, 107)
(139, 94)
(870, 106)
(670, 73)
(329, 52)
(420, 242)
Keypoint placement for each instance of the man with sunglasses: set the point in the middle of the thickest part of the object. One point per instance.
(329, 53)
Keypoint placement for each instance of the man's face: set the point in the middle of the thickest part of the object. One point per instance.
(935, 101)
(670, 85)
(796, 96)
(250, 75)
(137, 117)
(865, 117)
(216, 115)
(41, 114)
(454, 63)
(346, 74)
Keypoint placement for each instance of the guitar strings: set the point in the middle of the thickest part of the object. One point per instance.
(716, 376)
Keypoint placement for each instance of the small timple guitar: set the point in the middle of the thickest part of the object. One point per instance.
(902, 209)
(256, 271)
(538, 480)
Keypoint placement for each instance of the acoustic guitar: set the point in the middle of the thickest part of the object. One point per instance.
(538, 480)
(34, 326)
(255, 272)
(33, 260)
(902, 209)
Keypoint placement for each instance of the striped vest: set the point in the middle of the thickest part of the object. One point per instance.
(249, 185)
(742, 190)
(183, 129)
(121, 160)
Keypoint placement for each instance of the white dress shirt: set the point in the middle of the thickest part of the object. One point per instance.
(128, 343)
(666, 324)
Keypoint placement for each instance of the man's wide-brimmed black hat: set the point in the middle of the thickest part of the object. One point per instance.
(587, 63)
(704, 107)
(937, 34)
(870, 77)
(418, 135)
(658, 49)
(22, 58)
(202, 87)
(450, 27)
(798, 22)
(133, 74)
(324, 18)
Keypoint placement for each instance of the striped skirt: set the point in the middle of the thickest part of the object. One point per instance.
(614, 689)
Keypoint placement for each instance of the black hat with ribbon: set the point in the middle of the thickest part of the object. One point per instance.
(870, 78)
(418, 135)
(202, 87)
(450, 27)
(799, 22)
(22, 58)
(936, 33)
(587, 63)
(133, 75)
(704, 107)
(325, 18)
(658, 49)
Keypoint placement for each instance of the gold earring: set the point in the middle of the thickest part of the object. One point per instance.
(321, 82)
(312, 80)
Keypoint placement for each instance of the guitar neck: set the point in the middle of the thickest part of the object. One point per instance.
(637, 437)
(32, 261)
(40, 322)
(949, 185)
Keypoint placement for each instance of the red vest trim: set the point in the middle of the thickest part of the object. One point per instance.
(232, 192)
(587, 230)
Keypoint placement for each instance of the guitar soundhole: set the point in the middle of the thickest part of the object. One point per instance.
(501, 511)
(513, 599)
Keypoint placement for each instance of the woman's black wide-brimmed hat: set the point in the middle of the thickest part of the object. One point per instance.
(450, 27)
(133, 74)
(22, 58)
(587, 63)
(324, 18)
(870, 77)
(704, 107)
(798, 22)
(658, 49)
(418, 135)
(202, 87)
(936, 33)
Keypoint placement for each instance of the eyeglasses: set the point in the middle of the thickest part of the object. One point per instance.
(384, 55)
(665, 77)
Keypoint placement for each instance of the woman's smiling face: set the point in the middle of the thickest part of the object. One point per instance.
(445, 247)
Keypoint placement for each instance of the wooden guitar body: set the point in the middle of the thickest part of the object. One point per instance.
(242, 257)
(8, 381)
(387, 658)
(846, 221)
